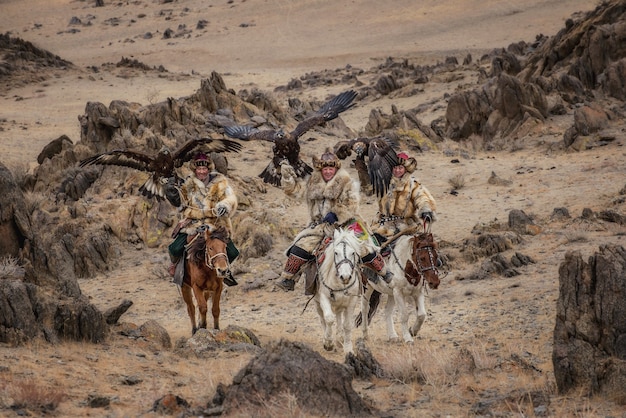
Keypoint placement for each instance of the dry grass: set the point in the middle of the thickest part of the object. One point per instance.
(26, 393)
(457, 181)
(33, 201)
(11, 269)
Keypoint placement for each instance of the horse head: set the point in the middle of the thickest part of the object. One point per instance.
(345, 254)
(215, 256)
(424, 261)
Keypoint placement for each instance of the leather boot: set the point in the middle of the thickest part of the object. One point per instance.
(292, 267)
(376, 262)
(172, 268)
(229, 280)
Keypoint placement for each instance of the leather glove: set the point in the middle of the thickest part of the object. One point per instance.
(330, 218)
(221, 210)
(171, 193)
(427, 216)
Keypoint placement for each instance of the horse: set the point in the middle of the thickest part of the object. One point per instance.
(414, 262)
(206, 265)
(339, 288)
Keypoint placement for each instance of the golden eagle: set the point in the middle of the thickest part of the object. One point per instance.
(162, 166)
(381, 156)
(286, 146)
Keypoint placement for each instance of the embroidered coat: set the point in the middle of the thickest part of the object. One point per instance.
(402, 205)
(199, 201)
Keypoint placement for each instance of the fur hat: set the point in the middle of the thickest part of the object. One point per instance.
(328, 159)
(202, 159)
(409, 163)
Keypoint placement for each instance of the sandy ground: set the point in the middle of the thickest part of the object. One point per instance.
(264, 45)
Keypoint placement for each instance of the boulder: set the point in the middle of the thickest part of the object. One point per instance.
(589, 354)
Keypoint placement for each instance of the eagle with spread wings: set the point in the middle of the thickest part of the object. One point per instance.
(286, 145)
(163, 165)
(381, 159)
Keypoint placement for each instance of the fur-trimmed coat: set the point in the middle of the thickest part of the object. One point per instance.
(406, 199)
(339, 195)
(199, 201)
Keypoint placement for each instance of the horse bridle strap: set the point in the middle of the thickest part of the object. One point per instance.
(345, 258)
(209, 260)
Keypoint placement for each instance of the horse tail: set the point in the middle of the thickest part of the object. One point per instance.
(373, 303)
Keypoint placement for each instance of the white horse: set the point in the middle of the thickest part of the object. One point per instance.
(339, 289)
(407, 287)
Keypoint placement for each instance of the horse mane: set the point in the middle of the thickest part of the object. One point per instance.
(221, 233)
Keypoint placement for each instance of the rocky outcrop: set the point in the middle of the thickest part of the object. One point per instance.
(45, 301)
(589, 353)
(324, 390)
(583, 62)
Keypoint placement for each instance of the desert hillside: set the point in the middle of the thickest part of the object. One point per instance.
(423, 73)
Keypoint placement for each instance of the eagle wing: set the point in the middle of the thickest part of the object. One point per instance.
(329, 111)
(382, 159)
(123, 158)
(206, 145)
(161, 167)
(248, 133)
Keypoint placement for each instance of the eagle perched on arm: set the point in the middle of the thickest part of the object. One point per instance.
(381, 156)
(286, 145)
(163, 165)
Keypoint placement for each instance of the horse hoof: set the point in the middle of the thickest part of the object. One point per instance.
(329, 347)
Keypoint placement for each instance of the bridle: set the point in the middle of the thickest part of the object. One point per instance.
(345, 260)
(208, 259)
(417, 263)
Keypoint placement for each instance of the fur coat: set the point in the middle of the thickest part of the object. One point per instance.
(339, 195)
(199, 201)
(405, 201)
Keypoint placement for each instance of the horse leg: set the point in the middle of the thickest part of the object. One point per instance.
(202, 305)
(347, 326)
(392, 335)
(421, 314)
(365, 310)
(191, 308)
(215, 308)
(339, 335)
(328, 322)
(404, 316)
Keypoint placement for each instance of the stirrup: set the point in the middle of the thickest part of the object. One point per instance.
(287, 285)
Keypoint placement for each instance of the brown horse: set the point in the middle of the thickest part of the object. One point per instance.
(205, 267)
